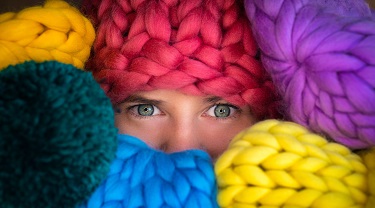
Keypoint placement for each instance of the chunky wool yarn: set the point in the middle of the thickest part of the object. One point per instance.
(321, 57)
(57, 135)
(143, 177)
(195, 46)
(368, 157)
(282, 164)
(54, 31)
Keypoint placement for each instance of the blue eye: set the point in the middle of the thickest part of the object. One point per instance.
(221, 110)
(145, 109)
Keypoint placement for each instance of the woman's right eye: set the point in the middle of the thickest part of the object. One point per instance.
(145, 110)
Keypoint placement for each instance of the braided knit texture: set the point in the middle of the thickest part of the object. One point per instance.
(321, 57)
(195, 46)
(282, 164)
(368, 157)
(54, 31)
(143, 177)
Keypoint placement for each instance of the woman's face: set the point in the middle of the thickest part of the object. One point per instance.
(171, 121)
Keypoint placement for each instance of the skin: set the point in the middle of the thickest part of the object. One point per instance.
(171, 121)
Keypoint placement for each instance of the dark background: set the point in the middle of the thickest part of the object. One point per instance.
(16, 5)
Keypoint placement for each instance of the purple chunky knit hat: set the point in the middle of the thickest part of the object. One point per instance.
(321, 55)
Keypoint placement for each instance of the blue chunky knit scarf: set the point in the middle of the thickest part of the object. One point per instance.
(143, 177)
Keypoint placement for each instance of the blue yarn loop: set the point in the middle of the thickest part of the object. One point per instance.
(143, 177)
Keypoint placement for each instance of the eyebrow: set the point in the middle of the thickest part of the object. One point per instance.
(140, 99)
(212, 99)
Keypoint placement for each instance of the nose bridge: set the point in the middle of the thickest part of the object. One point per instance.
(183, 135)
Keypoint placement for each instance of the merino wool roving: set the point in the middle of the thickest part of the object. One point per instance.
(368, 157)
(143, 177)
(54, 31)
(193, 46)
(320, 55)
(282, 164)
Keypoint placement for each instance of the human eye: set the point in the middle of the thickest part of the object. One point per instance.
(222, 110)
(144, 110)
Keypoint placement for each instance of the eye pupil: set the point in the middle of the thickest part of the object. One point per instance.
(222, 111)
(145, 110)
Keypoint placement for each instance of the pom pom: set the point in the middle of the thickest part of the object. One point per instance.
(143, 177)
(282, 164)
(57, 135)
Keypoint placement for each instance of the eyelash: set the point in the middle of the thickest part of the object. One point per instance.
(232, 115)
(132, 108)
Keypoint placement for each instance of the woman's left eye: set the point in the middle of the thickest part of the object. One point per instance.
(144, 110)
(222, 110)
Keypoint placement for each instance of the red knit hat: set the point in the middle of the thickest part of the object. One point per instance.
(200, 47)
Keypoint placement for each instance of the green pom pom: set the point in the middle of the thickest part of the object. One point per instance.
(57, 135)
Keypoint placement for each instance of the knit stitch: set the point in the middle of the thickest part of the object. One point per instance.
(321, 57)
(282, 164)
(197, 47)
(143, 177)
(54, 31)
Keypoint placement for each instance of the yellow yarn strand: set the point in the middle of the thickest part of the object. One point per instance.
(54, 31)
(281, 164)
(369, 159)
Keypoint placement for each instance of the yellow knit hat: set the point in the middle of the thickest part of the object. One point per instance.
(368, 157)
(282, 164)
(54, 31)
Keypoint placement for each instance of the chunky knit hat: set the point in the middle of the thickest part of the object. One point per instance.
(282, 164)
(199, 47)
(321, 57)
(53, 31)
